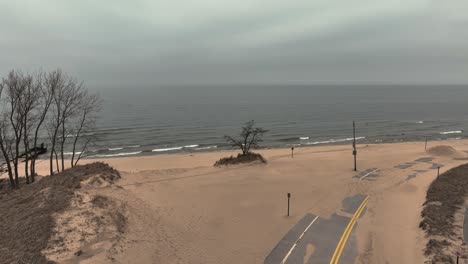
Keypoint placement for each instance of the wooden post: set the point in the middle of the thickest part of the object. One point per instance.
(292, 152)
(289, 197)
(354, 146)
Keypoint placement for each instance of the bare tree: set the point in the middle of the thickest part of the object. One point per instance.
(33, 106)
(5, 141)
(68, 98)
(15, 86)
(250, 136)
(45, 96)
(86, 121)
(31, 100)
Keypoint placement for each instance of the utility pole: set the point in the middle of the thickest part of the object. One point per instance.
(354, 146)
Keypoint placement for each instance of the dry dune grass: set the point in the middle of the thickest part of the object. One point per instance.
(27, 215)
(445, 196)
(240, 159)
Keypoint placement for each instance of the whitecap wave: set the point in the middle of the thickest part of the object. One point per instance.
(419, 122)
(191, 146)
(117, 154)
(451, 132)
(166, 149)
(208, 147)
(304, 138)
(113, 149)
(333, 141)
(71, 153)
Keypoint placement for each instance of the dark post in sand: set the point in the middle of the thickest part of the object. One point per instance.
(292, 152)
(354, 146)
(438, 170)
(289, 197)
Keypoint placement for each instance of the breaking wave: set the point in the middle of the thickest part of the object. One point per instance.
(451, 132)
(71, 153)
(191, 146)
(166, 149)
(208, 147)
(117, 154)
(333, 141)
(113, 149)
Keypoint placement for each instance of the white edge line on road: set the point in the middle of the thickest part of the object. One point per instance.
(376, 170)
(297, 241)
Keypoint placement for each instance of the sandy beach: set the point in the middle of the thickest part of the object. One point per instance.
(181, 209)
(184, 210)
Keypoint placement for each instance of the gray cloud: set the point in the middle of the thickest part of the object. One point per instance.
(207, 41)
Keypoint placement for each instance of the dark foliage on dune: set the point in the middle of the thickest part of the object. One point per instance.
(240, 159)
(444, 197)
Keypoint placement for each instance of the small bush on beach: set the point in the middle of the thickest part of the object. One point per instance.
(249, 138)
(241, 158)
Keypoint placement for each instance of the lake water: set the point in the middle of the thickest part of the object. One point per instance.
(155, 120)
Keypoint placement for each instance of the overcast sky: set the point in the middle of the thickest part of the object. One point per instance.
(147, 42)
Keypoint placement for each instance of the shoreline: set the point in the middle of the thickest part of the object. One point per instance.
(207, 159)
(296, 147)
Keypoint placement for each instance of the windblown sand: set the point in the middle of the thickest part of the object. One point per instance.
(184, 210)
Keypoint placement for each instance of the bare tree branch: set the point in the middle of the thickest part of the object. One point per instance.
(249, 137)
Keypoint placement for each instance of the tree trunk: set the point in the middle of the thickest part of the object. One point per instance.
(26, 161)
(32, 168)
(15, 162)
(26, 169)
(61, 146)
(8, 163)
(56, 161)
(52, 151)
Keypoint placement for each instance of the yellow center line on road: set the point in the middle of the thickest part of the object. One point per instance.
(344, 238)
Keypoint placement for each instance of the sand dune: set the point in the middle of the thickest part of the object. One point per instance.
(446, 151)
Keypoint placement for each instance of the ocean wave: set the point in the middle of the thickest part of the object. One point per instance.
(208, 147)
(134, 146)
(451, 132)
(117, 154)
(113, 149)
(419, 122)
(71, 153)
(304, 138)
(333, 141)
(191, 146)
(166, 149)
